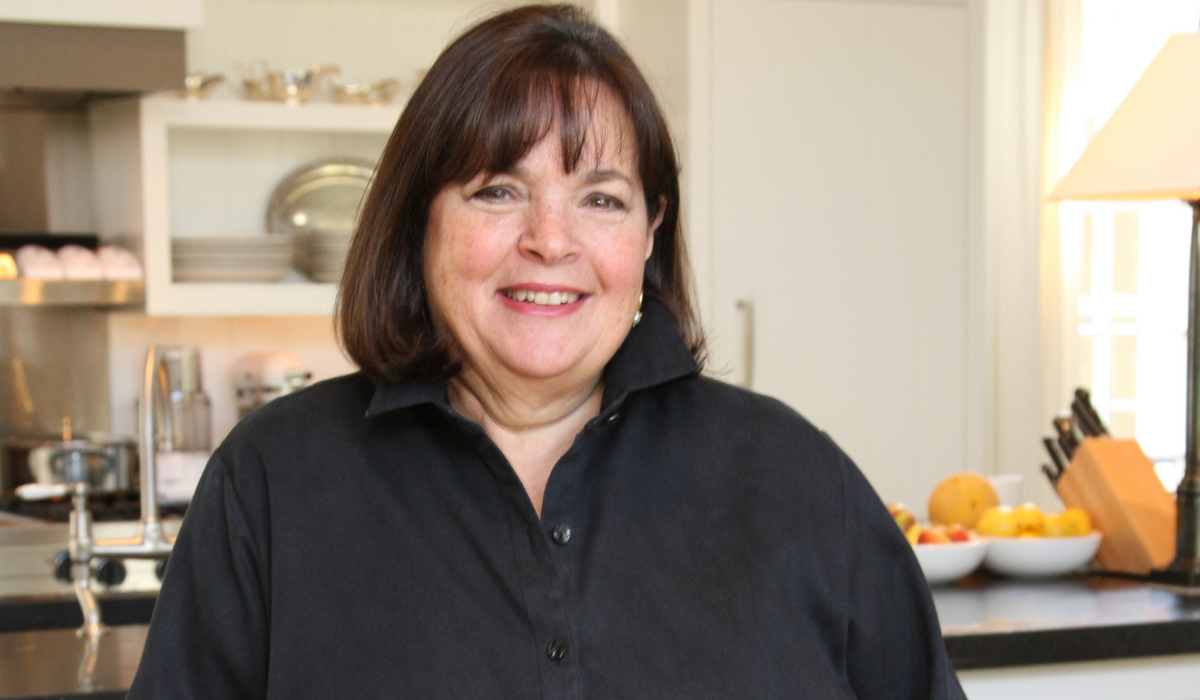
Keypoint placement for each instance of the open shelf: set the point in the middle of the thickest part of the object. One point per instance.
(158, 178)
(241, 299)
(97, 293)
(274, 116)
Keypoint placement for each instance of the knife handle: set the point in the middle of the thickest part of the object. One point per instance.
(1083, 420)
(1085, 400)
(1066, 427)
(1068, 446)
(1055, 455)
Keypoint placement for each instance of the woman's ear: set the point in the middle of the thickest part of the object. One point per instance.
(658, 219)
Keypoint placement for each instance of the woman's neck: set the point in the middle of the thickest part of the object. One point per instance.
(533, 423)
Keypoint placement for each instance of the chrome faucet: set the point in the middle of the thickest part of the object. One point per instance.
(150, 542)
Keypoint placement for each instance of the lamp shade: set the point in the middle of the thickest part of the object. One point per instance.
(1150, 147)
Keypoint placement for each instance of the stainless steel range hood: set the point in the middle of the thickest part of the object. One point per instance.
(48, 74)
(61, 65)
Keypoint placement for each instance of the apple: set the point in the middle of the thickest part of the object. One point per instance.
(957, 533)
(903, 517)
(934, 535)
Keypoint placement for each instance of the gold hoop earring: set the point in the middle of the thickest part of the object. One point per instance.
(637, 318)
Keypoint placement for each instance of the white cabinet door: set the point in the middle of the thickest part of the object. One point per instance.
(842, 192)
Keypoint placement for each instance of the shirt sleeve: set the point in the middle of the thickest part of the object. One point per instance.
(894, 645)
(209, 631)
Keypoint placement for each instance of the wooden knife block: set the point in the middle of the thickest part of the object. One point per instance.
(1114, 483)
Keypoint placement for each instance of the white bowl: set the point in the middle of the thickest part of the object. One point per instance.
(1040, 557)
(942, 563)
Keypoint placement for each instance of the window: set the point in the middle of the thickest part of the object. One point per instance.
(1125, 265)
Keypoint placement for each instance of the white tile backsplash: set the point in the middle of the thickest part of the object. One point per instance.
(222, 342)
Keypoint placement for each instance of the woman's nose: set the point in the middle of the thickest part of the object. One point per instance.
(548, 233)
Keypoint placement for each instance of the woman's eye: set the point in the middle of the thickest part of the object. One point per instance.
(605, 201)
(494, 194)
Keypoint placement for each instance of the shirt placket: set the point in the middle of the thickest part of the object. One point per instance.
(542, 585)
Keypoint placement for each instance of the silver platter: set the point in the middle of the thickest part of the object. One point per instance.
(324, 196)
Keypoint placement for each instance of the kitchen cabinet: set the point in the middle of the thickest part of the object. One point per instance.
(167, 167)
(836, 227)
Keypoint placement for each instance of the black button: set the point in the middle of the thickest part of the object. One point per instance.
(556, 650)
(561, 533)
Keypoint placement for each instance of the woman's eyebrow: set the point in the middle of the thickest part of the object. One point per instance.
(604, 175)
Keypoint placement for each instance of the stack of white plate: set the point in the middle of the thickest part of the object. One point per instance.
(232, 259)
(322, 254)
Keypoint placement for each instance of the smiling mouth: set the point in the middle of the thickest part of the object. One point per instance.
(541, 298)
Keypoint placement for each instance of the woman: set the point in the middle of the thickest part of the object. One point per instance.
(530, 491)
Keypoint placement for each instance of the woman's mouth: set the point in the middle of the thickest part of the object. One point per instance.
(541, 298)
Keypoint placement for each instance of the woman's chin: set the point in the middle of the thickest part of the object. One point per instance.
(539, 370)
(538, 363)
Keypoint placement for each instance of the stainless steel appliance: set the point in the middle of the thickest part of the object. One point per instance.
(263, 376)
(184, 411)
(109, 464)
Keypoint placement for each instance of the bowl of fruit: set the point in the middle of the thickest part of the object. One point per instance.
(1027, 543)
(945, 552)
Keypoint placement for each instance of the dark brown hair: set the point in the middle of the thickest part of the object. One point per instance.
(489, 98)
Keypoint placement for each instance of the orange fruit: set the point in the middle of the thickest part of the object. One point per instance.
(998, 521)
(1029, 519)
(961, 498)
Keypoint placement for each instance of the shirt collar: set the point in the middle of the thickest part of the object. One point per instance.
(653, 353)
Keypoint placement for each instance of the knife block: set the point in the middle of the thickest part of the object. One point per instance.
(1114, 483)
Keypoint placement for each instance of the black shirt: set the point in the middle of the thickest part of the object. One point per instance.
(696, 541)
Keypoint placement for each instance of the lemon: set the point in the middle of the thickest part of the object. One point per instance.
(998, 521)
(1055, 525)
(961, 499)
(1076, 522)
(1029, 519)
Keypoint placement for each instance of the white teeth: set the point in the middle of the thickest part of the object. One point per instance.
(542, 298)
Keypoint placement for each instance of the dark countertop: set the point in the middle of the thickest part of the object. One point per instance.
(993, 622)
(58, 664)
(988, 622)
(61, 611)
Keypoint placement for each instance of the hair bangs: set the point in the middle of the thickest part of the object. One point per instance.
(526, 102)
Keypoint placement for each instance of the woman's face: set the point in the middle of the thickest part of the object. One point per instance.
(536, 272)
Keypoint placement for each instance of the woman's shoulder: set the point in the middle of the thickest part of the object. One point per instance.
(318, 412)
(727, 432)
(733, 412)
